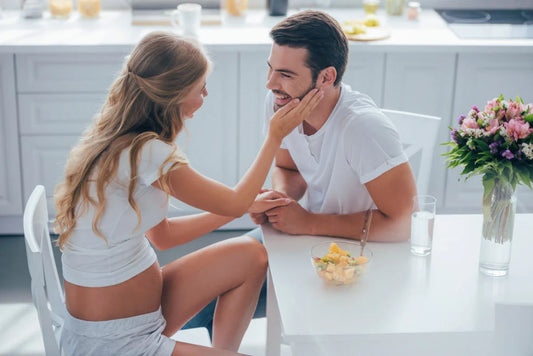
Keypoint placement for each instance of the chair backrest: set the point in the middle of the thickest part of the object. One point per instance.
(418, 133)
(47, 294)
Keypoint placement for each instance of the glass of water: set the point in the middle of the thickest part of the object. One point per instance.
(422, 221)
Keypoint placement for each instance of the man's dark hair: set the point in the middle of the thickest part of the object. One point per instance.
(320, 34)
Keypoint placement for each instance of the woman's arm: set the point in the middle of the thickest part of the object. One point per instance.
(199, 191)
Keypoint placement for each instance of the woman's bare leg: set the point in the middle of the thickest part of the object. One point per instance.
(233, 270)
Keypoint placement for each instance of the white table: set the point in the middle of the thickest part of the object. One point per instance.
(404, 305)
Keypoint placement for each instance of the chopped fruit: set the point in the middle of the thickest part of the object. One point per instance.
(371, 21)
(338, 267)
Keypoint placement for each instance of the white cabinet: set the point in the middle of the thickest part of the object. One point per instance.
(10, 182)
(481, 77)
(57, 102)
(423, 83)
(365, 73)
(44, 159)
(210, 140)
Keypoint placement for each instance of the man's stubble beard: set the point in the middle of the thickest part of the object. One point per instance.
(311, 87)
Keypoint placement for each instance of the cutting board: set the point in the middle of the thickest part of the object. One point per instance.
(372, 34)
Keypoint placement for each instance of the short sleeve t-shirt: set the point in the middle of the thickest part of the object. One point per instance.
(356, 144)
(88, 260)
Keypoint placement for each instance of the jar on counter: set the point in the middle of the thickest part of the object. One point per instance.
(395, 7)
(89, 8)
(413, 10)
(60, 8)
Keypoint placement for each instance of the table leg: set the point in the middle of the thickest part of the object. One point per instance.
(273, 343)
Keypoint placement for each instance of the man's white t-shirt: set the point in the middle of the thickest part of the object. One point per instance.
(355, 145)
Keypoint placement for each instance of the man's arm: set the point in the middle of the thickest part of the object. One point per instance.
(286, 178)
(392, 193)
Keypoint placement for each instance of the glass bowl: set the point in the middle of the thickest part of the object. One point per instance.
(339, 262)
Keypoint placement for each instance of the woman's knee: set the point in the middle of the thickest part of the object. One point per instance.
(256, 253)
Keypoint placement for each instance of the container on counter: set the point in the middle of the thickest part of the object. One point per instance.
(60, 8)
(413, 10)
(89, 8)
(395, 7)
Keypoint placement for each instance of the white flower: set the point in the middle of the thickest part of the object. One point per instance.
(527, 149)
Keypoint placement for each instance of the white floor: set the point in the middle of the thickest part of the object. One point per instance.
(20, 334)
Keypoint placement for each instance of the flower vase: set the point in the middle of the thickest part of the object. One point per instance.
(499, 207)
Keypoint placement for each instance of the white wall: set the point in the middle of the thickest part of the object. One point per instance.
(487, 4)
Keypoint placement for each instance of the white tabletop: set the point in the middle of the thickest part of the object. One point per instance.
(402, 297)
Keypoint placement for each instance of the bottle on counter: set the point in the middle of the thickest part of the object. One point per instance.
(277, 7)
(60, 8)
(235, 8)
(89, 8)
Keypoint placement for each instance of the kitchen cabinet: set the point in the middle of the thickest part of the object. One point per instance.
(59, 94)
(481, 77)
(10, 179)
(423, 83)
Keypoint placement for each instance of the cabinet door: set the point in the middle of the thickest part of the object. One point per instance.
(67, 72)
(365, 73)
(43, 162)
(10, 187)
(253, 79)
(58, 113)
(210, 140)
(481, 78)
(423, 83)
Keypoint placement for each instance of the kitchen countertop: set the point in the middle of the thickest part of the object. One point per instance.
(113, 31)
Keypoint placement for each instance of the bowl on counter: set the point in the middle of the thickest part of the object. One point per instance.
(340, 262)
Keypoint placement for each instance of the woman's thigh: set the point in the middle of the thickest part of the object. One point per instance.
(194, 280)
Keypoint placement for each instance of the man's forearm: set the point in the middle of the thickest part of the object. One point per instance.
(288, 182)
(383, 228)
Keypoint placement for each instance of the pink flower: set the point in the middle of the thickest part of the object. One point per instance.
(491, 105)
(517, 128)
(493, 126)
(513, 110)
(469, 123)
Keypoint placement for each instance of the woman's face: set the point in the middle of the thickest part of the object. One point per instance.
(194, 100)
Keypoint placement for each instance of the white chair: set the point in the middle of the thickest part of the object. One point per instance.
(46, 290)
(419, 134)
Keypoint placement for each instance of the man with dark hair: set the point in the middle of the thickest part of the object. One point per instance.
(346, 159)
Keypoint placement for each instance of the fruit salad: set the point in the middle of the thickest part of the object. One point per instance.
(338, 266)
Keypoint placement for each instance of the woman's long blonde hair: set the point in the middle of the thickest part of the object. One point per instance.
(143, 104)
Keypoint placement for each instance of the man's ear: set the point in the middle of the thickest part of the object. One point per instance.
(326, 77)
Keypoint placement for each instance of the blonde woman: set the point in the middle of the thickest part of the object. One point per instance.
(115, 198)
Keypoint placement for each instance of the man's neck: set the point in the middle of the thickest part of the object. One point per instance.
(321, 113)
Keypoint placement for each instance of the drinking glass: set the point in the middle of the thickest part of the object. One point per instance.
(422, 221)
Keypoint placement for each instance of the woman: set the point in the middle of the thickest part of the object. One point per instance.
(115, 193)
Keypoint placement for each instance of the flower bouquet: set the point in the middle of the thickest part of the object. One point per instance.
(496, 142)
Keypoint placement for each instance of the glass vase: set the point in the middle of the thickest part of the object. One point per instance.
(499, 207)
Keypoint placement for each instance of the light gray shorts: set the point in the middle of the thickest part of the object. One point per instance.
(136, 335)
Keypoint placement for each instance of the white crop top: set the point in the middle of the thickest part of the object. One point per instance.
(90, 261)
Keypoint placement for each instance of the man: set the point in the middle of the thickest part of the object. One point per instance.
(345, 160)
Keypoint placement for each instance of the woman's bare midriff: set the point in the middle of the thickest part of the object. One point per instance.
(138, 295)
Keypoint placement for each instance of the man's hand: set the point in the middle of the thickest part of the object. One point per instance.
(291, 218)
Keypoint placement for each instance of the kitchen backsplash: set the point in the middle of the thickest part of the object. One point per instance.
(441, 4)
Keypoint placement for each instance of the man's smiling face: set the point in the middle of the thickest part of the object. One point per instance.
(288, 75)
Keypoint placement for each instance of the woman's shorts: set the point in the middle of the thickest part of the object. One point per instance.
(136, 335)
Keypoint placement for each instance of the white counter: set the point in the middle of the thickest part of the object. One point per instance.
(113, 31)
